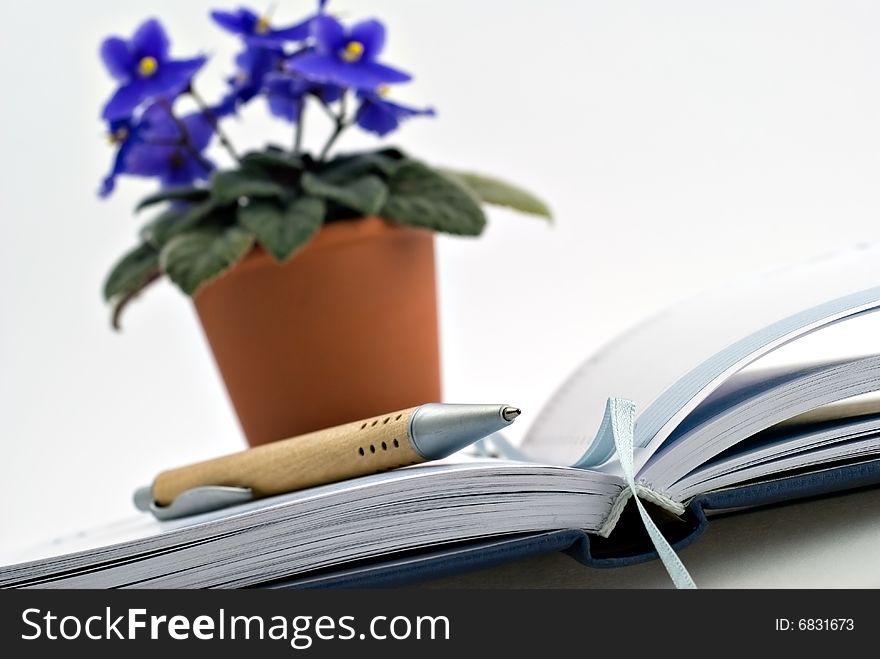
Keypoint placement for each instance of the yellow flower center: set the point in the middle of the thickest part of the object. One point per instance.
(147, 66)
(384, 91)
(118, 137)
(262, 26)
(353, 51)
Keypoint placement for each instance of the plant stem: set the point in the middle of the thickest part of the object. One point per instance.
(298, 135)
(341, 125)
(215, 121)
(162, 142)
(326, 108)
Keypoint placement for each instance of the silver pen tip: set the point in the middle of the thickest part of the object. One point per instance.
(510, 413)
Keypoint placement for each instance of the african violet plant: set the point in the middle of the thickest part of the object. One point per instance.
(277, 198)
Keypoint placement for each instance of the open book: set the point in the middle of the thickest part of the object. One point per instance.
(714, 430)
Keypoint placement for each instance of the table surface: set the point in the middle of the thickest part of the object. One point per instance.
(831, 542)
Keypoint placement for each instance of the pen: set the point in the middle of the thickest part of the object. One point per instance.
(399, 439)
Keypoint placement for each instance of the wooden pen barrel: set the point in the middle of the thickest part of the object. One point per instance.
(326, 456)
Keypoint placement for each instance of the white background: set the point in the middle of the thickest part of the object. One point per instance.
(679, 143)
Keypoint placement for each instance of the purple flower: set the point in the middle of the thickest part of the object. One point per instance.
(125, 134)
(249, 25)
(347, 58)
(227, 105)
(172, 150)
(144, 70)
(380, 116)
(264, 52)
(159, 145)
(254, 64)
(286, 93)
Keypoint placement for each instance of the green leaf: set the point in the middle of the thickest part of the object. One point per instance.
(418, 196)
(283, 231)
(175, 221)
(228, 187)
(193, 259)
(270, 160)
(348, 168)
(132, 272)
(366, 195)
(187, 193)
(500, 193)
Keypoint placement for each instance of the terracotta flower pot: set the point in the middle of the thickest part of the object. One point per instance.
(344, 330)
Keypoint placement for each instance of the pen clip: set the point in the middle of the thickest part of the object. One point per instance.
(192, 502)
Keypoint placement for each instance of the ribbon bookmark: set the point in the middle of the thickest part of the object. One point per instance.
(623, 421)
(617, 435)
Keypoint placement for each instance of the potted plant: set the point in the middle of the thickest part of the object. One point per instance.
(312, 273)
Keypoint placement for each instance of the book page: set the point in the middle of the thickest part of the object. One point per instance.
(144, 526)
(418, 508)
(745, 406)
(670, 363)
(783, 449)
